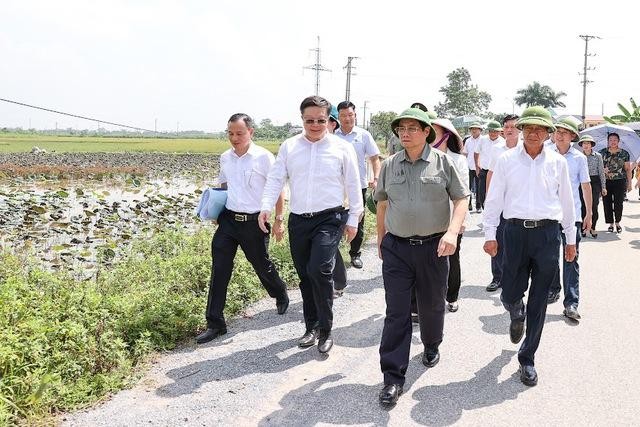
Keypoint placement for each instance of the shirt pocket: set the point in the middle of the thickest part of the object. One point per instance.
(433, 188)
(397, 188)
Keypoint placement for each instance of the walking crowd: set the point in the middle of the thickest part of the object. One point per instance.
(535, 181)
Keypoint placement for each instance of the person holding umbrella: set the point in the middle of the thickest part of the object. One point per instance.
(597, 177)
(617, 169)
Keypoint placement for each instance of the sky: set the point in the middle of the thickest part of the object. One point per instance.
(189, 65)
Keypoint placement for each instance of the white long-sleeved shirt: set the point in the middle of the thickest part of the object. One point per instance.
(526, 188)
(320, 174)
(483, 149)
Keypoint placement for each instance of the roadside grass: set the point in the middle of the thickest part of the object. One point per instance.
(88, 144)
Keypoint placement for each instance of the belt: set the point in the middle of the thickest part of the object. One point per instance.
(244, 217)
(532, 223)
(418, 240)
(325, 211)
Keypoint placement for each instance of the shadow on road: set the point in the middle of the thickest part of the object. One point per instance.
(480, 293)
(442, 405)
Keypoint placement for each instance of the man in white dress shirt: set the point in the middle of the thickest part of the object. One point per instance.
(366, 148)
(531, 188)
(243, 172)
(482, 158)
(470, 150)
(321, 169)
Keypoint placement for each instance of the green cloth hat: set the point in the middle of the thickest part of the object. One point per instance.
(569, 125)
(477, 125)
(494, 126)
(586, 138)
(536, 115)
(371, 203)
(415, 114)
(421, 106)
(334, 116)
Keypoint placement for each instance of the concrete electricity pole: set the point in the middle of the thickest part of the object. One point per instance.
(317, 67)
(584, 82)
(349, 68)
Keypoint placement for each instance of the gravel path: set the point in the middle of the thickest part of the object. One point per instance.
(257, 376)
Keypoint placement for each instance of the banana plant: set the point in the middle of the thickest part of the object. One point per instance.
(628, 115)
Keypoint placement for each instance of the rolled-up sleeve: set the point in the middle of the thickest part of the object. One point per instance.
(381, 193)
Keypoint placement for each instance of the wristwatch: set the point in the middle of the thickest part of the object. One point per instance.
(279, 217)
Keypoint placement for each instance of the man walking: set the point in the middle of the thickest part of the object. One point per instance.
(531, 188)
(366, 148)
(470, 150)
(416, 234)
(566, 132)
(482, 158)
(321, 169)
(243, 172)
(512, 136)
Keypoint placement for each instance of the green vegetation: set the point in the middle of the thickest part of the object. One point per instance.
(66, 343)
(12, 143)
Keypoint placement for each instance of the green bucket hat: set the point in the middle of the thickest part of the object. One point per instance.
(476, 125)
(334, 116)
(536, 115)
(421, 106)
(370, 202)
(415, 114)
(494, 126)
(586, 138)
(569, 125)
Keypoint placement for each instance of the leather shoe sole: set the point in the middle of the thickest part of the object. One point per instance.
(516, 331)
(210, 334)
(389, 394)
(430, 359)
(282, 306)
(528, 375)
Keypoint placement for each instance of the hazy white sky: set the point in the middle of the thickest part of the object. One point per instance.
(197, 62)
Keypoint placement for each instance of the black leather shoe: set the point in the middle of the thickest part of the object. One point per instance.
(325, 342)
(528, 375)
(493, 286)
(282, 306)
(572, 313)
(389, 394)
(356, 261)
(430, 358)
(516, 330)
(553, 297)
(308, 339)
(210, 334)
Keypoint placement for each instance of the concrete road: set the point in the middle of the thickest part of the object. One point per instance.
(256, 375)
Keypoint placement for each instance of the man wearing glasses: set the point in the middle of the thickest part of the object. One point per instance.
(530, 186)
(366, 148)
(321, 169)
(416, 234)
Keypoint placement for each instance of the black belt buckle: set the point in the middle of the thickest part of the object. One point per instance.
(529, 223)
(240, 218)
(307, 215)
(415, 242)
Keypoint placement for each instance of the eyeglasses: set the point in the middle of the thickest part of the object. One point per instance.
(315, 121)
(403, 129)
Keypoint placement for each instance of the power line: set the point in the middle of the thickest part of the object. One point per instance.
(317, 67)
(74, 115)
(584, 82)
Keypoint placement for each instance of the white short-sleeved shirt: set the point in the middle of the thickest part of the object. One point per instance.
(470, 148)
(484, 148)
(365, 147)
(578, 174)
(245, 177)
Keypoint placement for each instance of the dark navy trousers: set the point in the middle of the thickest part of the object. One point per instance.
(529, 253)
(405, 267)
(496, 261)
(570, 273)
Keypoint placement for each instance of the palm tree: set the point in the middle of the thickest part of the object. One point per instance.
(537, 94)
(627, 116)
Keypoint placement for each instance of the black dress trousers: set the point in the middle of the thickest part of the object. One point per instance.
(254, 243)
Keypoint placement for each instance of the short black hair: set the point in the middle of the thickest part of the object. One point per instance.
(510, 117)
(420, 106)
(613, 134)
(244, 117)
(315, 101)
(344, 105)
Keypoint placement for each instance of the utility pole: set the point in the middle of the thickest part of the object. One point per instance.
(317, 67)
(364, 115)
(349, 68)
(584, 82)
